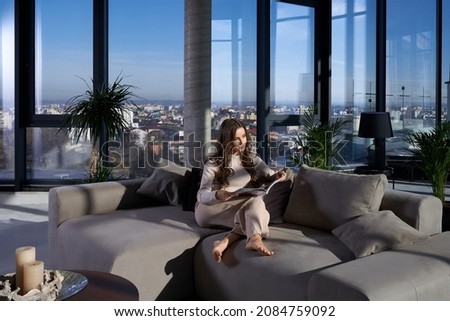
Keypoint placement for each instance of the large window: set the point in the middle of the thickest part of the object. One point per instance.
(353, 69)
(63, 69)
(270, 60)
(52, 155)
(63, 51)
(146, 47)
(292, 57)
(291, 73)
(411, 68)
(353, 76)
(233, 61)
(411, 63)
(7, 90)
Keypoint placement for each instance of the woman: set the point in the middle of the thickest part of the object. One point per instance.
(231, 168)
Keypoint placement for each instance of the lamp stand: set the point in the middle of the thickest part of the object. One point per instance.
(379, 164)
(380, 151)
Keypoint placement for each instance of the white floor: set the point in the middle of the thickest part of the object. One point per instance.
(23, 221)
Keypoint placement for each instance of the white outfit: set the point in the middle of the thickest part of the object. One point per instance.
(244, 215)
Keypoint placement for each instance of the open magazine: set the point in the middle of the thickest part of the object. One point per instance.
(255, 191)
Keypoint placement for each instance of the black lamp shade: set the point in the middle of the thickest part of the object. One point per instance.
(375, 125)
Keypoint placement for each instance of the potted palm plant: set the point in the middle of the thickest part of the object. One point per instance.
(431, 149)
(99, 111)
(316, 144)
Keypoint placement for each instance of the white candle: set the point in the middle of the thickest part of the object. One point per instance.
(33, 275)
(25, 254)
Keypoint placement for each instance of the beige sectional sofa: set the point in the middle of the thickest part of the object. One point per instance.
(336, 236)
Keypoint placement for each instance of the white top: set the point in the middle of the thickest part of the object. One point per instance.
(240, 178)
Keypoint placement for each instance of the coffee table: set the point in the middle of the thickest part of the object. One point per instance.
(104, 286)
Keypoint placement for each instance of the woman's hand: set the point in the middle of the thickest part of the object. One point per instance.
(222, 195)
(281, 174)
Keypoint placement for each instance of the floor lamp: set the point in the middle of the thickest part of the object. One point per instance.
(376, 125)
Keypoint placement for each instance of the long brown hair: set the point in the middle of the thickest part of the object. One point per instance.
(224, 151)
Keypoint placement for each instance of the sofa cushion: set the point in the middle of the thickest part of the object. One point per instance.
(372, 233)
(276, 201)
(277, 198)
(414, 272)
(166, 184)
(193, 185)
(325, 199)
(247, 275)
(151, 246)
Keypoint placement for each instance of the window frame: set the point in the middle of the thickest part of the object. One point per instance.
(24, 72)
(322, 54)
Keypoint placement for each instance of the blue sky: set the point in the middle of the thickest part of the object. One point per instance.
(147, 46)
(7, 53)
(145, 43)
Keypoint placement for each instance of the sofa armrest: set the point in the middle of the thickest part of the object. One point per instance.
(423, 212)
(67, 202)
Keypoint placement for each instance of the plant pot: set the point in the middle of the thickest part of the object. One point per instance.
(446, 217)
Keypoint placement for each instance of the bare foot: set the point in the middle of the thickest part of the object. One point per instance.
(255, 243)
(218, 248)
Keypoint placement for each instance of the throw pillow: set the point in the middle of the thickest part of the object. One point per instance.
(166, 184)
(325, 199)
(372, 233)
(193, 184)
(277, 198)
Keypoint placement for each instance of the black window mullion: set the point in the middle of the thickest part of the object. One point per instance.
(263, 75)
(24, 95)
(100, 55)
(439, 47)
(322, 54)
(380, 103)
(100, 44)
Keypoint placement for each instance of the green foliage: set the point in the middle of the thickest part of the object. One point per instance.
(432, 150)
(98, 172)
(316, 143)
(97, 111)
(103, 108)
